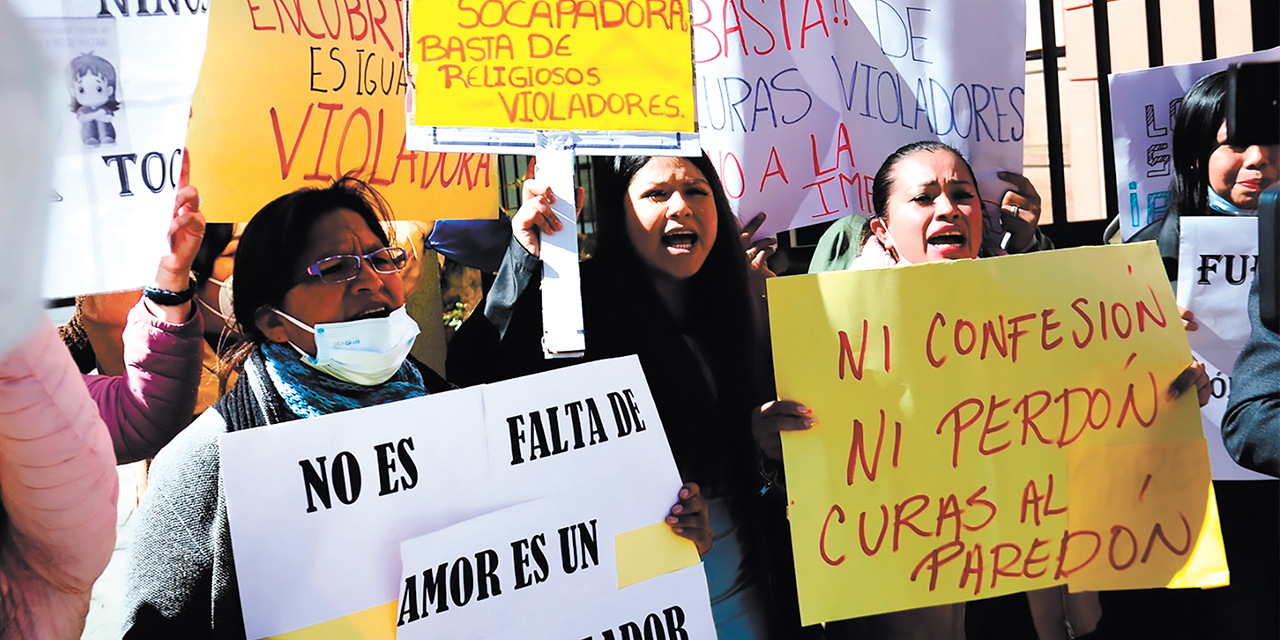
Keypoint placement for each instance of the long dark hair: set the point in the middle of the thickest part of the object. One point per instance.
(717, 297)
(714, 446)
(1195, 137)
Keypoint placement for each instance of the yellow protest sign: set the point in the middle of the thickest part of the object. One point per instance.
(992, 426)
(551, 64)
(296, 94)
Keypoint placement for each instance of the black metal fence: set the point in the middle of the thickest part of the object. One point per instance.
(796, 247)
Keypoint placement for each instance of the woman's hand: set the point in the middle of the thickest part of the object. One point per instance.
(1019, 212)
(186, 231)
(535, 216)
(758, 252)
(1188, 319)
(1194, 374)
(758, 271)
(772, 418)
(689, 518)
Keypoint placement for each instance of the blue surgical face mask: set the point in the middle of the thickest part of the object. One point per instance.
(1222, 205)
(364, 352)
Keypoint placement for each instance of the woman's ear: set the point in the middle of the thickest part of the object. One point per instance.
(881, 230)
(269, 322)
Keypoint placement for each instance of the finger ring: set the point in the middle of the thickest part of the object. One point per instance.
(1015, 209)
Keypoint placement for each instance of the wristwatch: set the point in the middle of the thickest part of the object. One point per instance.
(166, 298)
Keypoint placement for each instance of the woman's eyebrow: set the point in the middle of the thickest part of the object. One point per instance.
(956, 181)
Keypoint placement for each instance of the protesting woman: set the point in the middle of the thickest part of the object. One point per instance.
(310, 259)
(667, 282)
(319, 304)
(1210, 177)
(927, 209)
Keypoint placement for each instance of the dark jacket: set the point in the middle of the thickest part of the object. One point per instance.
(1251, 427)
(704, 390)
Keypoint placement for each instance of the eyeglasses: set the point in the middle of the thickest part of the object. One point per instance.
(342, 268)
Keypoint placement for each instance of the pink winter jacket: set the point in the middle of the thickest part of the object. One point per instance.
(58, 483)
(153, 400)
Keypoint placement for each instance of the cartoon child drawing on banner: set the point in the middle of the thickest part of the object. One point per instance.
(93, 98)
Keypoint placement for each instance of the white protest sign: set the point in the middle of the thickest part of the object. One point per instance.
(315, 498)
(26, 157)
(1217, 258)
(1143, 106)
(332, 498)
(127, 71)
(536, 559)
(799, 102)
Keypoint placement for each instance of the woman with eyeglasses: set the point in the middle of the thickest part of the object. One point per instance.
(320, 305)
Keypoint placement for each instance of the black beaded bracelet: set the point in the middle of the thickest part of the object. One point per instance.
(166, 298)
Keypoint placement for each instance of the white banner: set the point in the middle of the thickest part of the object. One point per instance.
(126, 72)
(332, 498)
(800, 102)
(543, 559)
(1217, 260)
(1143, 105)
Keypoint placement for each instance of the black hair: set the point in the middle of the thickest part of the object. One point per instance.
(718, 325)
(884, 183)
(612, 220)
(217, 235)
(718, 293)
(271, 249)
(1195, 137)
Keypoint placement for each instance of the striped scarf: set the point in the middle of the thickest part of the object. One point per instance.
(310, 393)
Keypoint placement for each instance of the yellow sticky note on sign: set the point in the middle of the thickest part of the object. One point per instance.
(375, 623)
(1128, 525)
(651, 551)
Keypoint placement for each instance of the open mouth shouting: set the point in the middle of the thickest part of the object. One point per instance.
(950, 242)
(679, 241)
